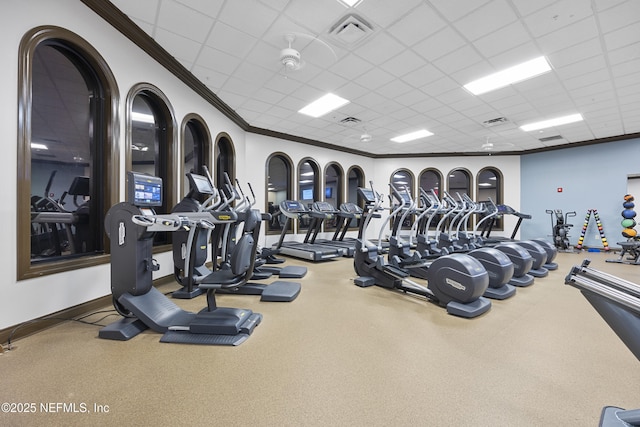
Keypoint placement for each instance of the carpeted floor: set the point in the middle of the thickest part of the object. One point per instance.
(341, 355)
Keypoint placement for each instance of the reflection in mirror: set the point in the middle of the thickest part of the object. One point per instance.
(430, 180)
(402, 179)
(355, 180)
(307, 189)
(61, 158)
(278, 190)
(144, 136)
(489, 186)
(332, 192)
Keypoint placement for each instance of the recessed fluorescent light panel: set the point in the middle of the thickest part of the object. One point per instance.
(572, 118)
(350, 3)
(142, 117)
(323, 105)
(423, 133)
(515, 74)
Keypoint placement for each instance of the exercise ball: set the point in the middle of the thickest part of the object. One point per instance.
(628, 213)
(629, 232)
(628, 223)
(629, 205)
(628, 198)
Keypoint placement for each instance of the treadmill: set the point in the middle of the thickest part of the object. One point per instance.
(293, 209)
(326, 211)
(501, 210)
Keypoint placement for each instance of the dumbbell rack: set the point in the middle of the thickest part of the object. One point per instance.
(594, 213)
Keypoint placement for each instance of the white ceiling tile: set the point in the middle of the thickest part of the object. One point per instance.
(486, 19)
(526, 7)
(455, 9)
(587, 79)
(316, 16)
(624, 54)
(622, 37)
(422, 76)
(236, 43)
(379, 48)
(180, 47)
(439, 44)
(394, 89)
(503, 39)
(207, 7)
(351, 67)
(624, 14)
(417, 25)
(557, 15)
(404, 63)
(182, 20)
(582, 67)
(458, 60)
(212, 78)
(575, 53)
(570, 35)
(385, 12)
(328, 82)
(217, 60)
(374, 78)
(249, 16)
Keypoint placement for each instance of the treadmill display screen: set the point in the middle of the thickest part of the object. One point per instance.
(145, 190)
(200, 184)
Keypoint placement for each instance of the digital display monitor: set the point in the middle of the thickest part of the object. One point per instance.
(368, 195)
(328, 192)
(144, 190)
(200, 184)
(307, 194)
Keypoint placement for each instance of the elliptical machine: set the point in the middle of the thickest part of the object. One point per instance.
(455, 281)
(131, 226)
(560, 229)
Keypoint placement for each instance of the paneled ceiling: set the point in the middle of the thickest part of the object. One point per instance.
(406, 73)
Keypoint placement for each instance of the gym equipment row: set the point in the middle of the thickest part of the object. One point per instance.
(459, 278)
(131, 226)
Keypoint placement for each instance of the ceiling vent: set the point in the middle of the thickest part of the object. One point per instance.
(495, 122)
(550, 138)
(350, 121)
(351, 30)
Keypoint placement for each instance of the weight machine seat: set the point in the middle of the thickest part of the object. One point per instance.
(240, 266)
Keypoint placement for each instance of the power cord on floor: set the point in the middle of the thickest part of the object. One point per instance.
(80, 319)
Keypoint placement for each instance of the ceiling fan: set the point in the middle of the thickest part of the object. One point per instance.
(291, 58)
(495, 146)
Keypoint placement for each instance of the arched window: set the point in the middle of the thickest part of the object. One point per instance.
(459, 184)
(489, 186)
(333, 183)
(402, 179)
(225, 159)
(355, 179)
(459, 181)
(196, 148)
(151, 144)
(308, 188)
(279, 180)
(431, 179)
(68, 165)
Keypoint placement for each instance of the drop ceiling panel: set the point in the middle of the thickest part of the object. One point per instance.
(409, 72)
(486, 19)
